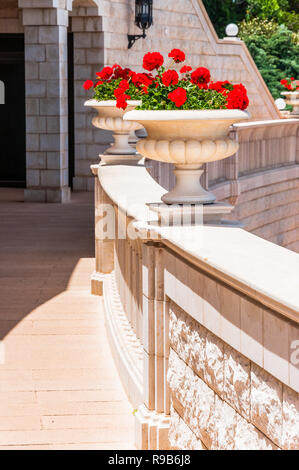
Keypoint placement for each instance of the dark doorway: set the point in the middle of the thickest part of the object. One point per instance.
(12, 112)
(71, 108)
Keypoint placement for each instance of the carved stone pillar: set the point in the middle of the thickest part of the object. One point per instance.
(45, 29)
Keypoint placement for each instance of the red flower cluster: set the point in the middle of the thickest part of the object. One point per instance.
(290, 84)
(178, 97)
(221, 87)
(177, 55)
(186, 69)
(201, 77)
(152, 61)
(125, 84)
(141, 79)
(106, 73)
(88, 84)
(237, 98)
(170, 77)
(121, 101)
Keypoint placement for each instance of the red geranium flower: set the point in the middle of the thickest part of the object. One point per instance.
(99, 83)
(186, 69)
(119, 72)
(177, 55)
(121, 101)
(140, 79)
(170, 77)
(118, 92)
(124, 85)
(152, 60)
(178, 97)
(221, 87)
(200, 76)
(237, 98)
(88, 84)
(106, 73)
(283, 82)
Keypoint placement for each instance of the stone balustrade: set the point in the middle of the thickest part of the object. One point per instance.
(261, 179)
(202, 320)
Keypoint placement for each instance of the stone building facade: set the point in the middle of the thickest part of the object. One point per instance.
(68, 41)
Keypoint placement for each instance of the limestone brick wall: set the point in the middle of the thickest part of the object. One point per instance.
(221, 399)
(272, 211)
(10, 17)
(46, 105)
(86, 25)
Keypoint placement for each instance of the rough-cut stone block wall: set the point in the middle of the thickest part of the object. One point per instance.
(221, 399)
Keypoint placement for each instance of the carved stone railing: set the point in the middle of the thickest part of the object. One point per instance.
(265, 168)
(263, 145)
(202, 320)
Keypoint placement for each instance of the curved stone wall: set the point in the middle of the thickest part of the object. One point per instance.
(269, 205)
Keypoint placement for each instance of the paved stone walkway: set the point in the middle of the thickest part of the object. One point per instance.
(59, 388)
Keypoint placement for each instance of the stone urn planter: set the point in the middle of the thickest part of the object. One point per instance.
(110, 118)
(292, 98)
(187, 139)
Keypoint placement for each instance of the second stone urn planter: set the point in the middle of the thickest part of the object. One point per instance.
(188, 139)
(292, 98)
(110, 118)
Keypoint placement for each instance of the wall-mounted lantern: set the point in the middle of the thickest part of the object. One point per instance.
(143, 19)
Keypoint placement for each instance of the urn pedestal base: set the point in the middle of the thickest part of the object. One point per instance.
(292, 98)
(188, 189)
(111, 159)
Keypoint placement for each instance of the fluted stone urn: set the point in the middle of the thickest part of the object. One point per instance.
(292, 98)
(188, 139)
(110, 118)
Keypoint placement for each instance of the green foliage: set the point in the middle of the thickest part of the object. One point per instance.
(157, 98)
(282, 11)
(106, 91)
(270, 31)
(257, 27)
(263, 8)
(276, 55)
(222, 12)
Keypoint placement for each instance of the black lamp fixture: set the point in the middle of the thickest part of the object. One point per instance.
(143, 19)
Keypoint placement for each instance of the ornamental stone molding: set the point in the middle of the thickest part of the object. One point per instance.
(187, 152)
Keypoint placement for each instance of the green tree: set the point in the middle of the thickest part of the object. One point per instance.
(283, 11)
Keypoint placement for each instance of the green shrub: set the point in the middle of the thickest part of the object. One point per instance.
(274, 49)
